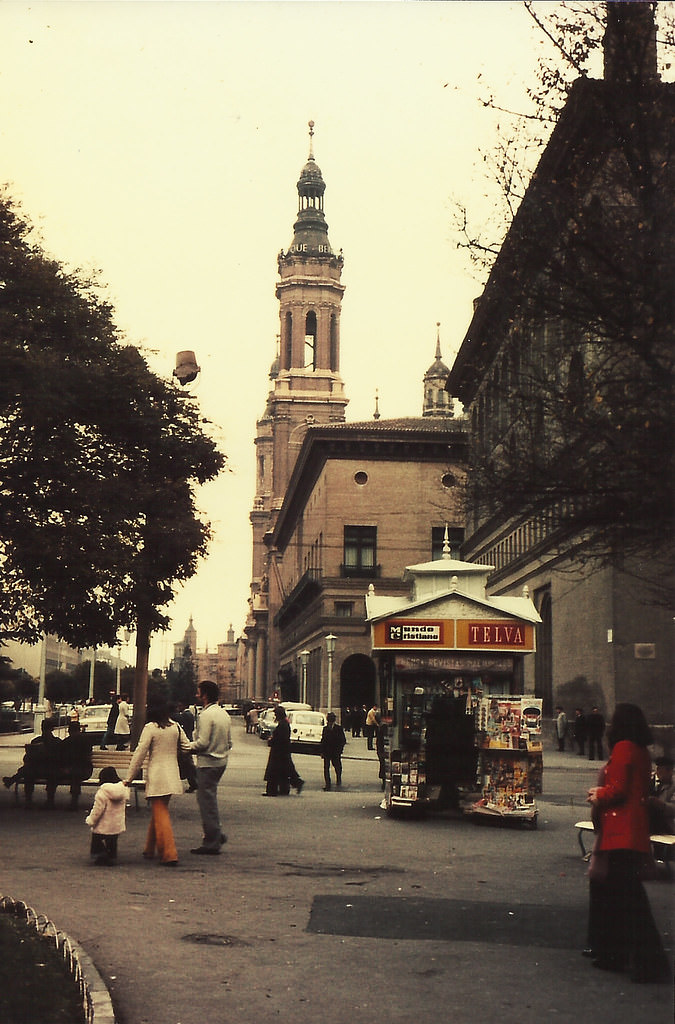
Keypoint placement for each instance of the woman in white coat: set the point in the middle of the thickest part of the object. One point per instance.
(159, 741)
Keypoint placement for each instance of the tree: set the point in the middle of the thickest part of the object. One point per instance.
(182, 681)
(61, 687)
(577, 422)
(104, 681)
(99, 460)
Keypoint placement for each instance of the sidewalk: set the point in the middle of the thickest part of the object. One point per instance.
(322, 907)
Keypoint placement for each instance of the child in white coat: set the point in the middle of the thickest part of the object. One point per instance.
(107, 817)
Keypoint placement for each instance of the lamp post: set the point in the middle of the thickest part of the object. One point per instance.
(304, 658)
(127, 638)
(330, 650)
(92, 674)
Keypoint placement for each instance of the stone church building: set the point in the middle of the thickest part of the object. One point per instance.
(339, 506)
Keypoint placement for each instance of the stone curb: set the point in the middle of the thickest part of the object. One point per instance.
(96, 1001)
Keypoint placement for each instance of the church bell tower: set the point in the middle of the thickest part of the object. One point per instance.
(306, 388)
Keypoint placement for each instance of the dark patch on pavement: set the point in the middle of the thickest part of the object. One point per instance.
(392, 917)
(210, 939)
(314, 870)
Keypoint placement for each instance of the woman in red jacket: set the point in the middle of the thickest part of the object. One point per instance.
(621, 927)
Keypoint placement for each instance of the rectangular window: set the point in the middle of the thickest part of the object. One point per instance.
(455, 537)
(344, 609)
(360, 551)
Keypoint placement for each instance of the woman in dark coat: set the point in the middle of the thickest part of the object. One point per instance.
(622, 932)
(278, 770)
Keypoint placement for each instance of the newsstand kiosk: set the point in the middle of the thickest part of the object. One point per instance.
(461, 734)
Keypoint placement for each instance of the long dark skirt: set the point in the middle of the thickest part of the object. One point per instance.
(621, 928)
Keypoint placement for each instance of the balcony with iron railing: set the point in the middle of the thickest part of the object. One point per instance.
(306, 589)
(364, 572)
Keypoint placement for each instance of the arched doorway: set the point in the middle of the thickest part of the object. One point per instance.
(357, 681)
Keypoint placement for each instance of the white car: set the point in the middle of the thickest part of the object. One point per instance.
(306, 727)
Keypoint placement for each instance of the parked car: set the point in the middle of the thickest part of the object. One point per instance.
(267, 721)
(93, 718)
(306, 727)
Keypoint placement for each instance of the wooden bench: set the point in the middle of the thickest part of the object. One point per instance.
(117, 759)
(656, 840)
(120, 761)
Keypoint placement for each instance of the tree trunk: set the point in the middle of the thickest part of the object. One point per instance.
(140, 680)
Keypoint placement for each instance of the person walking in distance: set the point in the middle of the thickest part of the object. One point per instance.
(112, 718)
(579, 730)
(122, 726)
(560, 727)
(186, 764)
(370, 727)
(595, 728)
(212, 745)
(280, 772)
(333, 741)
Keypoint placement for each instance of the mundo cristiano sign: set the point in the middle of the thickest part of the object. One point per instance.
(454, 634)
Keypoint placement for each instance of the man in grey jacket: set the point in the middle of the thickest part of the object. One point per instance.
(212, 744)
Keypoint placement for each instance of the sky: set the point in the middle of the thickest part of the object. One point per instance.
(160, 143)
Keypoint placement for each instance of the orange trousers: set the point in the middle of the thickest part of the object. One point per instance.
(160, 832)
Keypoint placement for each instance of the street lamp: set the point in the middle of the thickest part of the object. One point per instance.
(304, 658)
(127, 638)
(330, 650)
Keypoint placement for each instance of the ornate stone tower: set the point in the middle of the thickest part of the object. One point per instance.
(437, 401)
(306, 388)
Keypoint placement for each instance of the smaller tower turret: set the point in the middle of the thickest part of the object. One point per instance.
(437, 401)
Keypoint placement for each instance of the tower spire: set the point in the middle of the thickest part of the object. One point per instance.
(311, 139)
(437, 401)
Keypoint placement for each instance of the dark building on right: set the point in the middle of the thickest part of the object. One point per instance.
(566, 374)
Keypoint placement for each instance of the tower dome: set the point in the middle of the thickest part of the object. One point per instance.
(310, 231)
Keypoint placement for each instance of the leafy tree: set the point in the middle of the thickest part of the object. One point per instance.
(158, 687)
(99, 459)
(105, 679)
(182, 680)
(61, 687)
(577, 421)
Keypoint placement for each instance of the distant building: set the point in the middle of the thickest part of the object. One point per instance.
(57, 654)
(186, 648)
(221, 665)
(228, 680)
(306, 389)
(364, 501)
(338, 506)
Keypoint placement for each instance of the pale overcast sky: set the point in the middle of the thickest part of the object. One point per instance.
(162, 141)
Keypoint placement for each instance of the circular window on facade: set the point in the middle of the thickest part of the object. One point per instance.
(360, 477)
(448, 480)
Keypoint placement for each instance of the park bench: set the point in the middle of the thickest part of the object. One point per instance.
(663, 840)
(117, 759)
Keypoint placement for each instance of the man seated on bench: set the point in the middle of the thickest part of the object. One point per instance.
(662, 805)
(76, 763)
(41, 763)
(55, 762)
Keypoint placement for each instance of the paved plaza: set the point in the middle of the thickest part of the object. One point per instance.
(323, 908)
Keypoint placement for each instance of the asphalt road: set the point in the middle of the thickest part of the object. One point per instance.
(321, 908)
